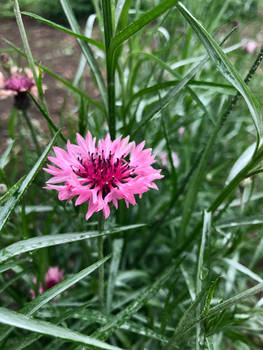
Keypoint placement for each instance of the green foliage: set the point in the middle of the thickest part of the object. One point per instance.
(182, 268)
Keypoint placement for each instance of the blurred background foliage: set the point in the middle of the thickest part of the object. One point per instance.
(51, 9)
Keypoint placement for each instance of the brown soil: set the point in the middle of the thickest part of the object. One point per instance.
(52, 48)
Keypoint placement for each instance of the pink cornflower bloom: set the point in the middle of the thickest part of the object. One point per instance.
(181, 130)
(18, 84)
(19, 81)
(251, 46)
(53, 276)
(102, 174)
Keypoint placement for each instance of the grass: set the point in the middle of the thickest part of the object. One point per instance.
(182, 268)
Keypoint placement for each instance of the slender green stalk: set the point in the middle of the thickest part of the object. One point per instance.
(32, 131)
(108, 32)
(100, 256)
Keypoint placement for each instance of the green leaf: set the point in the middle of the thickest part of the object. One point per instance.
(115, 261)
(85, 49)
(64, 29)
(4, 156)
(243, 269)
(157, 107)
(221, 88)
(92, 316)
(12, 190)
(241, 162)
(28, 53)
(183, 331)
(51, 293)
(10, 265)
(135, 26)
(225, 66)
(105, 331)
(16, 319)
(51, 240)
(122, 13)
(13, 201)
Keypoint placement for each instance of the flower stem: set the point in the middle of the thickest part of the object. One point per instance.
(32, 131)
(100, 254)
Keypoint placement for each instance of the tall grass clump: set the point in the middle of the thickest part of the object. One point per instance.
(181, 269)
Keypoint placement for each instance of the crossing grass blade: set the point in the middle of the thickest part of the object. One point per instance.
(35, 243)
(86, 50)
(105, 331)
(92, 316)
(12, 190)
(116, 256)
(35, 304)
(9, 207)
(135, 26)
(51, 293)
(183, 329)
(19, 320)
(64, 29)
(5, 155)
(225, 66)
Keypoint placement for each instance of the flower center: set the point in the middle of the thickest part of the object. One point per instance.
(105, 173)
(19, 83)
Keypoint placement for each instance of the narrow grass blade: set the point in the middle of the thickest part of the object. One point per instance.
(115, 261)
(5, 154)
(16, 319)
(157, 107)
(205, 231)
(221, 88)
(86, 50)
(51, 240)
(82, 63)
(215, 310)
(189, 319)
(12, 264)
(92, 316)
(51, 293)
(243, 269)
(122, 13)
(225, 66)
(65, 30)
(200, 261)
(46, 116)
(13, 201)
(241, 162)
(12, 190)
(26, 44)
(135, 26)
(105, 331)
(242, 221)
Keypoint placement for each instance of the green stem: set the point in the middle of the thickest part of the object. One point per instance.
(108, 32)
(32, 131)
(100, 256)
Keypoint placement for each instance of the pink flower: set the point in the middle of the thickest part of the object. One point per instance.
(165, 162)
(251, 46)
(19, 81)
(181, 130)
(102, 174)
(53, 276)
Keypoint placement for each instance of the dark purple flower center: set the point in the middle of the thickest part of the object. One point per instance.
(19, 83)
(51, 283)
(102, 172)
